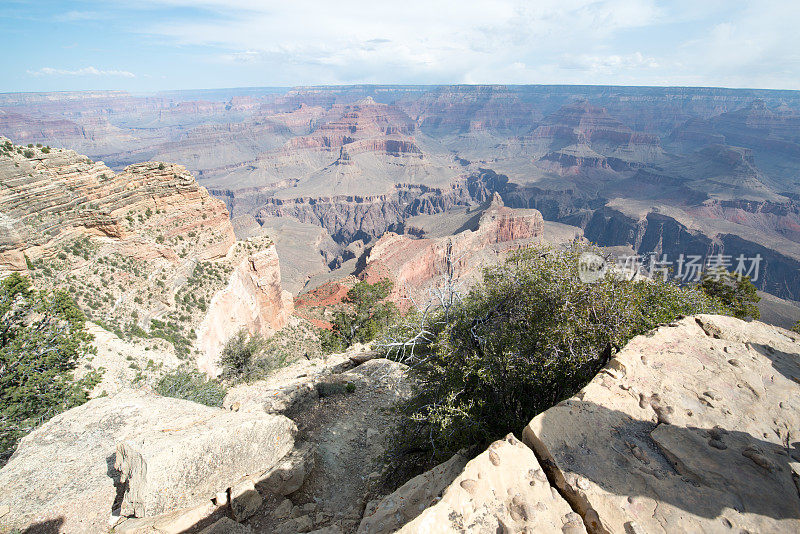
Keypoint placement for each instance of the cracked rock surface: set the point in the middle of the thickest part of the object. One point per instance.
(694, 427)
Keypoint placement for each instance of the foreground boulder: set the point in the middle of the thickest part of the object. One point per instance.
(503, 489)
(406, 503)
(693, 428)
(173, 453)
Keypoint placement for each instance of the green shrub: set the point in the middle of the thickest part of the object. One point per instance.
(528, 336)
(42, 336)
(369, 316)
(735, 292)
(239, 353)
(191, 385)
(246, 358)
(28, 153)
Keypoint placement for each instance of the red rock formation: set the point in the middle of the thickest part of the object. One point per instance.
(147, 246)
(365, 119)
(52, 198)
(414, 264)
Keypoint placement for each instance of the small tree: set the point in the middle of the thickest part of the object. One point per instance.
(737, 293)
(369, 315)
(529, 335)
(42, 336)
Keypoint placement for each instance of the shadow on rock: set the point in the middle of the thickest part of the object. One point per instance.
(701, 471)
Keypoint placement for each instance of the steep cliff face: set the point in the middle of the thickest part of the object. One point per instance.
(663, 235)
(51, 198)
(253, 300)
(143, 251)
(413, 265)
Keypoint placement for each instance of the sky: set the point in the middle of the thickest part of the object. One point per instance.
(151, 45)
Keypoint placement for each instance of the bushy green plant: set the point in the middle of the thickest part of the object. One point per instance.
(42, 336)
(367, 317)
(239, 355)
(736, 293)
(529, 335)
(189, 384)
(246, 358)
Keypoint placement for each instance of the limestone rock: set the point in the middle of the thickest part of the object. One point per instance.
(245, 500)
(226, 526)
(283, 510)
(502, 490)
(63, 472)
(288, 475)
(183, 453)
(405, 503)
(253, 300)
(173, 522)
(690, 428)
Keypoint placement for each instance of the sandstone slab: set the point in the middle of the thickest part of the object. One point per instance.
(186, 453)
(245, 500)
(503, 489)
(405, 503)
(693, 428)
(63, 476)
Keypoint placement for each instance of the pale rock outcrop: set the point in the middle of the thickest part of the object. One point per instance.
(194, 452)
(173, 522)
(174, 453)
(410, 499)
(692, 427)
(504, 489)
(253, 300)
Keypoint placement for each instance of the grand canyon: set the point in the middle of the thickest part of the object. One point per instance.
(179, 220)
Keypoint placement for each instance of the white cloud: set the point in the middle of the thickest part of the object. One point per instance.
(610, 62)
(659, 42)
(86, 71)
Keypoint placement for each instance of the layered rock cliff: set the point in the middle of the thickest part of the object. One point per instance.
(143, 251)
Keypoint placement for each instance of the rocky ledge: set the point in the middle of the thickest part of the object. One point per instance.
(690, 428)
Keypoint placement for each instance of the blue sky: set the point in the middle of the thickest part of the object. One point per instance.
(149, 45)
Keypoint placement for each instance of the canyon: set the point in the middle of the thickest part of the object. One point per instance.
(180, 220)
(715, 169)
(144, 252)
